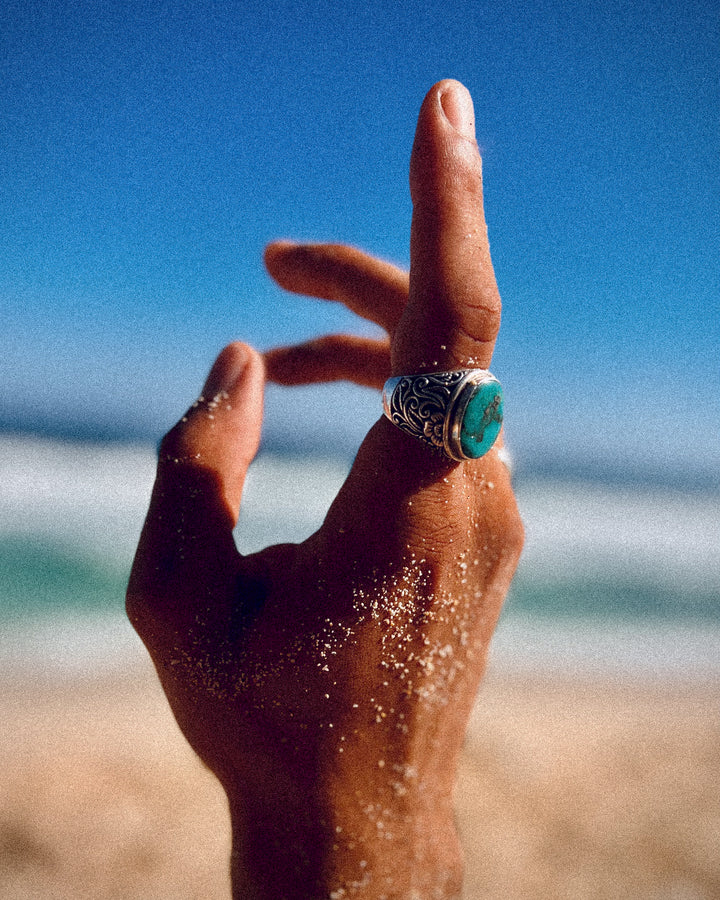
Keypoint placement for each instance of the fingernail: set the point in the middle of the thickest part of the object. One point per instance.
(458, 107)
(227, 370)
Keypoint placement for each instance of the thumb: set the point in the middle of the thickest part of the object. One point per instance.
(186, 552)
(220, 433)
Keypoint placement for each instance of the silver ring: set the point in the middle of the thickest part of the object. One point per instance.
(459, 413)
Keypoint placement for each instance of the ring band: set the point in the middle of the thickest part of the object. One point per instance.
(459, 413)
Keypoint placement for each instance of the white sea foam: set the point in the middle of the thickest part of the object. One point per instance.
(286, 500)
(97, 496)
(93, 500)
(89, 498)
(673, 536)
(70, 645)
(608, 649)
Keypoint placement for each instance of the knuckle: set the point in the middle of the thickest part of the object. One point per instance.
(142, 614)
(513, 533)
(175, 443)
(479, 322)
(463, 174)
(136, 609)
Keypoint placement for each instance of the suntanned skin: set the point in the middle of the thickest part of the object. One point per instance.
(328, 684)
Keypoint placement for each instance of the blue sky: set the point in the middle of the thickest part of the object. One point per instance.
(150, 150)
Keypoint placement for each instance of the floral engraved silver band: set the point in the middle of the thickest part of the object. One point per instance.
(458, 413)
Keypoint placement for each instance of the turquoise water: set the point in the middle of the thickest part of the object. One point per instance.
(70, 517)
(626, 599)
(38, 578)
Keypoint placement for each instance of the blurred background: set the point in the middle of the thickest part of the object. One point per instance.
(151, 150)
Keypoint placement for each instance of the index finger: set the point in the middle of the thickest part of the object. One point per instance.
(452, 317)
(372, 288)
(186, 562)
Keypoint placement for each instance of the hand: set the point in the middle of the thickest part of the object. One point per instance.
(328, 684)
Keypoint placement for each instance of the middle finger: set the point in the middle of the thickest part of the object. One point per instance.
(371, 288)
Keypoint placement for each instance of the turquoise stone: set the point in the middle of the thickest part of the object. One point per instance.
(482, 419)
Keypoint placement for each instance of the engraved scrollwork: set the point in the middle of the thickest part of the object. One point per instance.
(419, 403)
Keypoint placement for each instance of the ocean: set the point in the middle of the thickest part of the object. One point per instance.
(615, 579)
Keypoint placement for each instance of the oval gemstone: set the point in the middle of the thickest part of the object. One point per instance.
(482, 419)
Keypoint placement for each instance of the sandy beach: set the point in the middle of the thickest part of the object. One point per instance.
(568, 789)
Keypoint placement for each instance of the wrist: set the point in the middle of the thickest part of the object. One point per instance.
(346, 842)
